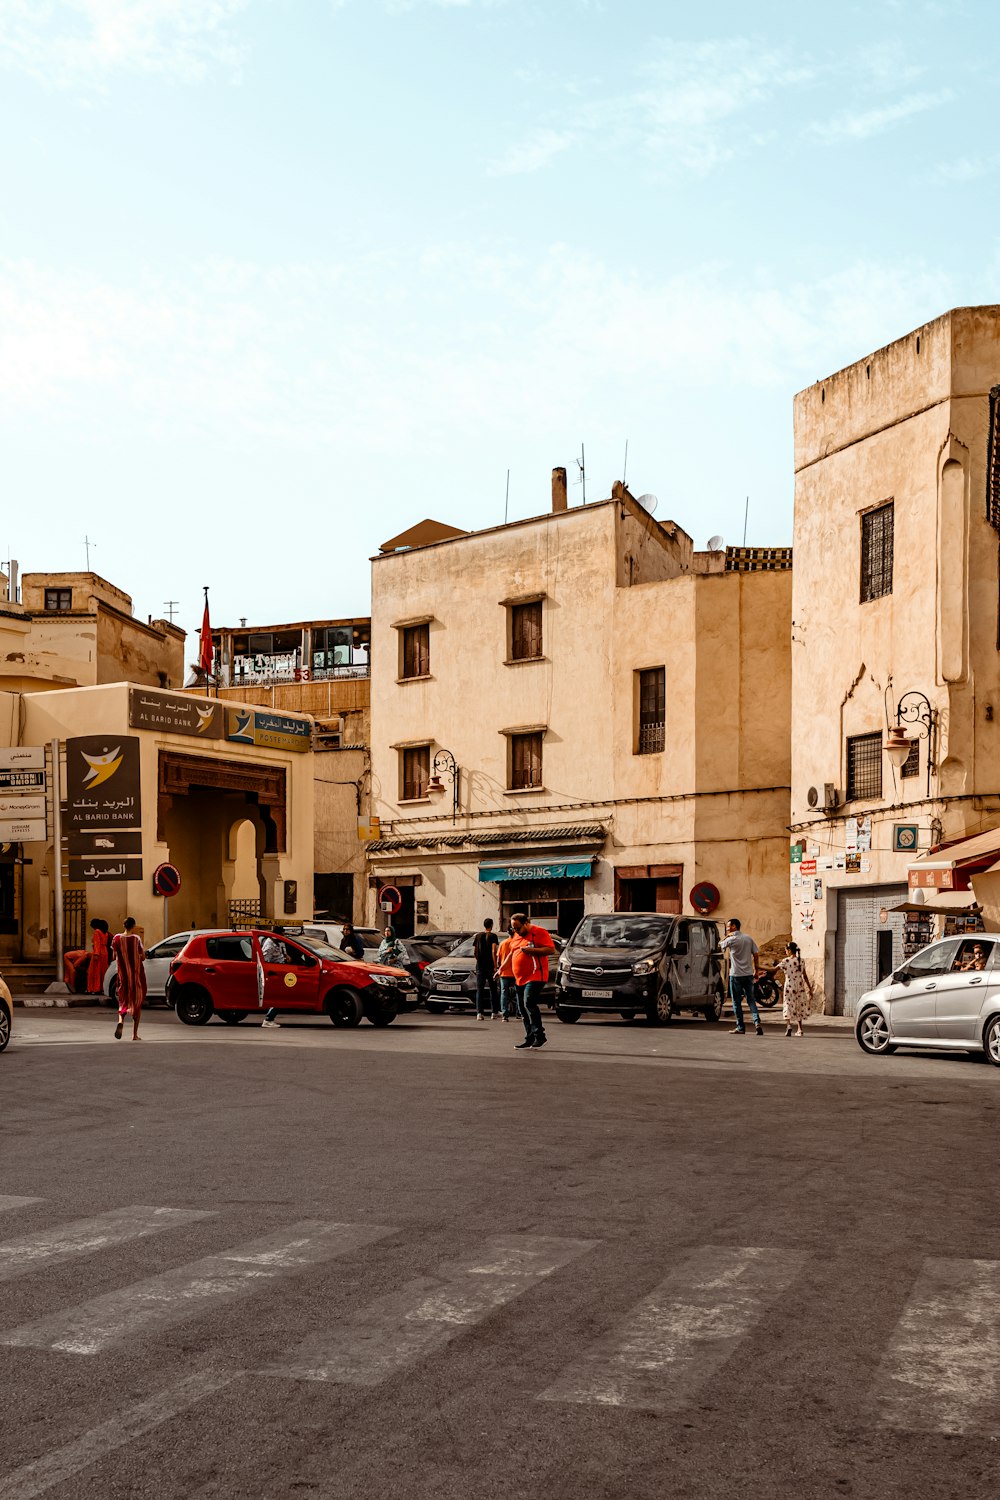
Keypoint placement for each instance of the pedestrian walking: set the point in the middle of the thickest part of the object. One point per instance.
(100, 957)
(484, 948)
(797, 998)
(273, 952)
(126, 946)
(351, 942)
(532, 949)
(743, 970)
(505, 976)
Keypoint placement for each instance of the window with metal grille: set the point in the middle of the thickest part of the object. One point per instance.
(525, 761)
(652, 710)
(876, 552)
(416, 771)
(59, 599)
(526, 631)
(864, 767)
(911, 765)
(416, 651)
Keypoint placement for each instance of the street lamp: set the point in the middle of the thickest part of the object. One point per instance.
(445, 764)
(913, 709)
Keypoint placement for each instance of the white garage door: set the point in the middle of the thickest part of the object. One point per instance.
(858, 941)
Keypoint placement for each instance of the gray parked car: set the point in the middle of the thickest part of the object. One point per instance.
(946, 997)
(451, 980)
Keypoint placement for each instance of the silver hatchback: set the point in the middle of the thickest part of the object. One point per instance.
(946, 997)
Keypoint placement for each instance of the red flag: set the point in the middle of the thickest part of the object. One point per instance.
(205, 642)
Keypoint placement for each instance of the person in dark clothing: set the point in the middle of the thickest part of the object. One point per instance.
(350, 942)
(485, 947)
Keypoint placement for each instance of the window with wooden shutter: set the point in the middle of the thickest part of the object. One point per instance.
(416, 772)
(526, 631)
(652, 710)
(416, 651)
(525, 761)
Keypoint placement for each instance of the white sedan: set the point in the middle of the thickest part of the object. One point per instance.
(156, 964)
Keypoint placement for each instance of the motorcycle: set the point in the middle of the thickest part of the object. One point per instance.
(767, 990)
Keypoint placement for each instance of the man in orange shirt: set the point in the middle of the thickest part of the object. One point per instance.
(505, 974)
(532, 948)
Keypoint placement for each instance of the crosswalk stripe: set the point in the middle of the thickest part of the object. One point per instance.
(941, 1369)
(7, 1200)
(676, 1338)
(51, 1247)
(63, 1463)
(190, 1290)
(428, 1312)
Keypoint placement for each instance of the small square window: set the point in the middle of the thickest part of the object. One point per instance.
(526, 631)
(415, 772)
(864, 768)
(525, 761)
(652, 694)
(416, 651)
(876, 552)
(59, 600)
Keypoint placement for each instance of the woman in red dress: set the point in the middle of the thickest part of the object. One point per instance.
(99, 958)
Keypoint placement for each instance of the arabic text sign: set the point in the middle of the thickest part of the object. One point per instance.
(106, 867)
(23, 758)
(102, 782)
(172, 714)
(22, 807)
(22, 831)
(248, 726)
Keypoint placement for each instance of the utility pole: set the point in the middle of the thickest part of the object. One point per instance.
(57, 855)
(88, 544)
(171, 606)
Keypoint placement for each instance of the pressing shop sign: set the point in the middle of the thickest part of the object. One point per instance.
(567, 870)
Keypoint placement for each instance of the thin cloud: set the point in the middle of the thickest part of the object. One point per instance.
(533, 153)
(861, 125)
(65, 42)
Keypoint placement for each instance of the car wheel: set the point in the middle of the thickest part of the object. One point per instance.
(343, 1006)
(232, 1017)
(662, 1012)
(4, 1025)
(194, 1007)
(567, 1013)
(380, 1015)
(111, 998)
(991, 1041)
(873, 1033)
(714, 1011)
(436, 1008)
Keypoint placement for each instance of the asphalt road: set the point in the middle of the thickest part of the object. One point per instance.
(417, 1263)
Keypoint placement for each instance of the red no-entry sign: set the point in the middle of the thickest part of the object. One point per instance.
(389, 899)
(166, 880)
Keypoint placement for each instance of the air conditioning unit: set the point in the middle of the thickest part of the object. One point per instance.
(826, 797)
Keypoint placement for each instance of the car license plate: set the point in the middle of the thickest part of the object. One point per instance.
(597, 994)
(450, 989)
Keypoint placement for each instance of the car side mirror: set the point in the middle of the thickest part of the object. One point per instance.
(901, 977)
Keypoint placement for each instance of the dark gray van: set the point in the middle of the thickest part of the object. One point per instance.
(641, 963)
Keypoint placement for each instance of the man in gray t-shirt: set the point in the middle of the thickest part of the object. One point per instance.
(743, 969)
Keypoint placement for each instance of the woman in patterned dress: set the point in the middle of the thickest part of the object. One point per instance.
(798, 992)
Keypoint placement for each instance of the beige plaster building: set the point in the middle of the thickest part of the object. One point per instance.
(896, 623)
(78, 630)
(580, 712)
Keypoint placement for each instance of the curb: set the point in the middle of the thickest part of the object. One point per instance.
(51, 1002)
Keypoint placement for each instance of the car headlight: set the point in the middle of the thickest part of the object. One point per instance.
(385, 979)
(564, 965)
(645, 966)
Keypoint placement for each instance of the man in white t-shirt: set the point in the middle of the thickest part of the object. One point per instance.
(743, 970)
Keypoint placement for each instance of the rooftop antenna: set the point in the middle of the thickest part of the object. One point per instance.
(506, 499)
(88, 544)
(649, 503)
(171, 605)
(625, 464)
(581, 464)
(746, 513)
(716, 543)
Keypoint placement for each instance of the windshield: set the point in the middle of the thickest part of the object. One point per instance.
(620, 932)
(426, 951)
(463, 950)
(323, 948)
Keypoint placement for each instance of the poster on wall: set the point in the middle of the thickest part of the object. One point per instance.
(103, 782)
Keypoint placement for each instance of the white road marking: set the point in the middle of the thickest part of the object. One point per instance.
(941, 1369)
(7, 1200)
(63, 1463)
(50, 1247)
(428, 1312)
(682, 1333)
(162, 1301)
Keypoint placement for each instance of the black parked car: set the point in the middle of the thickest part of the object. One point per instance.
(641, 963)
(420, 953)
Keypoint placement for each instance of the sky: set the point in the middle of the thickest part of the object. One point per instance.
(279, 278)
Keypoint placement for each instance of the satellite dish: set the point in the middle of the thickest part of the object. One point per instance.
(649, 502)
(715, 544)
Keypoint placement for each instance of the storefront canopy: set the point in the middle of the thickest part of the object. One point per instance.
(979, 846)
(944, 903)
(558, 870)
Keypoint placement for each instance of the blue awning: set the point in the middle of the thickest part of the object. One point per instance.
(568, 869)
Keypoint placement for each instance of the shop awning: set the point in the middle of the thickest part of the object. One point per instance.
(557, 870)
(944, 903)
(978, 846)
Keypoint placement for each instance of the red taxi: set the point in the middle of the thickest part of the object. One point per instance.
(226, 974)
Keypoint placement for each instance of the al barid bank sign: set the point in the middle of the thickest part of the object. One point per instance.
(208, 719)
(103, 796)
